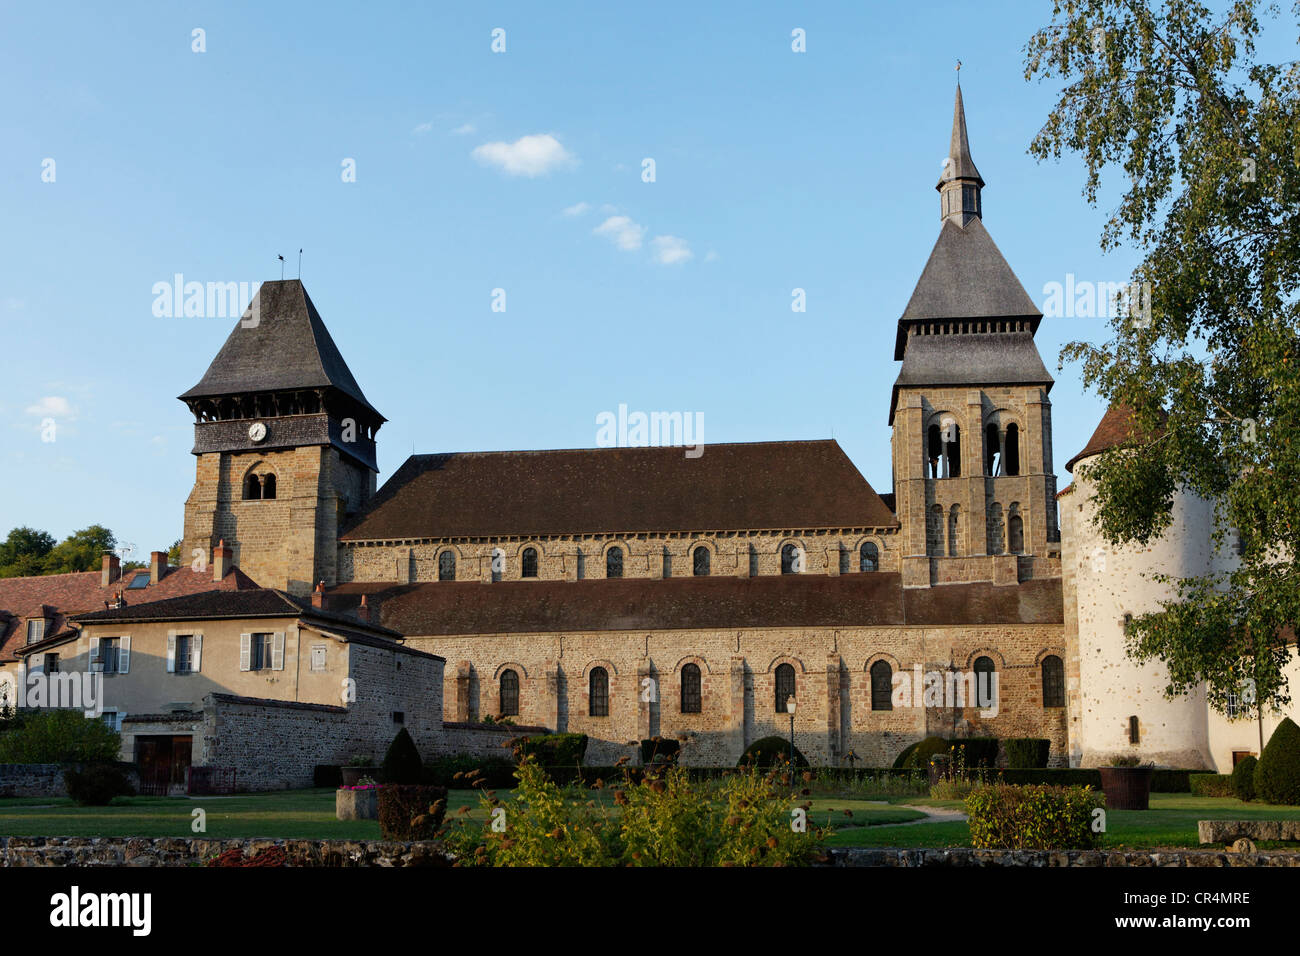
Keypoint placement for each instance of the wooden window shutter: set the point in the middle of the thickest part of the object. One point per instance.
(124, 656)
(196, 652)
(245, 652)
(277, 651)
(94, 653)
(171, 652)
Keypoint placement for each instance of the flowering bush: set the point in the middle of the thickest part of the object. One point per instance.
(1003, 816)
(271, 856)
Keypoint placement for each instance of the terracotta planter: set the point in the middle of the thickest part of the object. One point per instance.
(1126, 788)
(357, 804)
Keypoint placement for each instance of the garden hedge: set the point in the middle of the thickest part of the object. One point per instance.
(495, 773)
(768, 751)
(1033, 817)
(977, 752)
(96, 784)
(1243, 778)
(660, 749)
(1277, 775)
(1210, 784)
(555, 750)
(1027, 753)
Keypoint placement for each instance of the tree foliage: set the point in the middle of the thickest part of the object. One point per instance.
(1206, 141)
(27, 551)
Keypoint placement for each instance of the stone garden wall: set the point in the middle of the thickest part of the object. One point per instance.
(39, 779)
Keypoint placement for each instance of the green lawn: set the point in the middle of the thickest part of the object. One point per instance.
(309, 814)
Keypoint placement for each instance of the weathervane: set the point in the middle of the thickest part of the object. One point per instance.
(958, 72)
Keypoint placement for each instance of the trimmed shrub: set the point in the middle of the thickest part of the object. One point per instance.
(1211, 784)
(59, 736)
(555, 750)
(660, 750)
(769, 752)
(327, 775)
(926, 749)
(1027, 753)
(1003, 817)
(411, 812)
(904, 759)
(402, 764)
(977, 752)
(1242, 778)
(1277, 775)
(96, 784)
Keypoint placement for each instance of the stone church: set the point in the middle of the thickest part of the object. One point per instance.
(633, 592)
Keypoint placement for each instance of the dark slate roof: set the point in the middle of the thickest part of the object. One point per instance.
(1117, 427)
(224, 605)
(966, 277)
(634, 604)
(974, 359)
(288, 348)
(962, 166)
(754, 486)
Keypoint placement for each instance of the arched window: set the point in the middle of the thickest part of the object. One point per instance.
(951, 436)
(1015, 530)
(252, 488)
(933, 452)
(869, 557)
(791, 559)
(992, 450)
(598, 693)
(528, 563)
(268, 487)
(509, 694)
(447, 566)
(702, 560)
(691, 698)
(614, 563)
(934, 531)
(1013, 451)
(882, 686)
(984, 669)
(1053, 681)
(994, 529)
(668, 563)
(784, 685)
(753, 562)
(954, 531)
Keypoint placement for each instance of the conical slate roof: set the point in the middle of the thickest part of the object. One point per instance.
(1117, 427)
(960, 165)
(288, 347)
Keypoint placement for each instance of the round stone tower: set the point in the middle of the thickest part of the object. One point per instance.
(1118, 706)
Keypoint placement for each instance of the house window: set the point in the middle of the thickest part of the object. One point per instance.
(184, 653)
(882, 686)
(702, 560)
(399, 716)
(784, 685)
(509, 693)
(113, 718)
(1233, 705)
(598, 693)
(268, 487)
(1134, 736)
(691, 698)
(35, 630)
(318, 657)
(447, 566)
(984, 670)
(869, 557)
(614, 563)
(259, 652)
(529, 563)
(1053, 681)
(107, 656)
(51, 665)
(791, 559)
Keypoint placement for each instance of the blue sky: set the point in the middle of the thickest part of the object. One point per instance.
(774, 170)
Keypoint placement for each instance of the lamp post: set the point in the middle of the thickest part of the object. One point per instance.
(789, 709)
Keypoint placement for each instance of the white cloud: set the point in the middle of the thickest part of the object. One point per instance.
(52, 406)
(621, 231)
(464, 129)
(577, 209)
(669, 250)
(535, 155)
(422, 128)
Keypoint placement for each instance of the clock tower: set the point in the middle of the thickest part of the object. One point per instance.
(285, 442)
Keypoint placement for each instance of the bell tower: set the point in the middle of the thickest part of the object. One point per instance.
(972, 443)
(285, 444)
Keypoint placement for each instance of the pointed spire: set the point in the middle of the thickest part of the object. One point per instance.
(960, 182)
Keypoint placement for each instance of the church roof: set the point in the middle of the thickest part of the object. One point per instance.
(636, 604)
(1117, 427)
(966, 277)
(754, 486)
(288, 348)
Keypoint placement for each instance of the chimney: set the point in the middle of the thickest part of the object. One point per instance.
(221, 560)
(363, 611)
(157, 566)
(110, 569)
(318, 596)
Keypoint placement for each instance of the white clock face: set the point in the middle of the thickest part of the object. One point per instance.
(257, 431)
